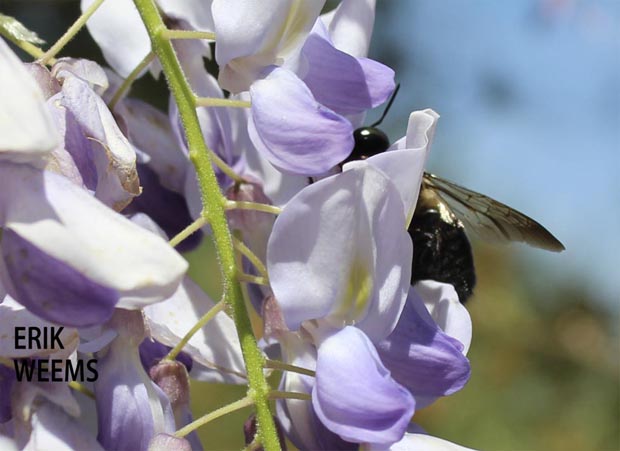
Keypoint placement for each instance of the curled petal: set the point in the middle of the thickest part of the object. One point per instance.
(340, 251)
(406, 167)
(346, 84)
(423, 358)
(292, 130)
(449, 314)
(26, 128)
(369, 409)
(87, 70)
(114, 157)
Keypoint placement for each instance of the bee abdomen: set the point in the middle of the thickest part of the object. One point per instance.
(442, 252)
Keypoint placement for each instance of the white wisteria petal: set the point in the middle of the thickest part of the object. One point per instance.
(350, 26)
(13, 316)
(215, 346)
(117, 28)
(68, 225)
(53, 429)
(443, 304)
(340, 251)
(197, 13)
(251, 36)
(406, 167)
(420, 441)
(26, 127)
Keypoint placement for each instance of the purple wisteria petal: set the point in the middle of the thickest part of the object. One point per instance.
(52, 289)
(7, 379)
(423, 358)
(279, 186)
(442, 302)
(74, 158)
(406, 167)
(350, 26)
(131, 408)
(118, 21)
(114, 157)
(369, 409)
(292, 130)
(26, 127)
(339, 250)
(297, 417)
(215, 346)
(86, 242)
(341, 82)
(13, 315)
(269, 36)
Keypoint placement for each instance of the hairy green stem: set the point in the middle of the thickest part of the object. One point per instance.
(213, 206)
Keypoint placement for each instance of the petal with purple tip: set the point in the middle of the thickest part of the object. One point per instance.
(346, 84)
(423, 358)
(369, 409)
(90, 243)
(294, 131)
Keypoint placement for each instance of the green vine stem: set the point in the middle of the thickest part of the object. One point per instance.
(213, 205)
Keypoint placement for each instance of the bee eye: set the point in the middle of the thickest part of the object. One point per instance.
(369, 141)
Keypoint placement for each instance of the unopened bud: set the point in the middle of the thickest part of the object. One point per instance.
(171, 376)
(165, 442)
(273, 320)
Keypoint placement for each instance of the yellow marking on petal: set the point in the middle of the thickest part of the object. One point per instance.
(357, 293)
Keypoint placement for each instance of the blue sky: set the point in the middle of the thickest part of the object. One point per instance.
(529, 93)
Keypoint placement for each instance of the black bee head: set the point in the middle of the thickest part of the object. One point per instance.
(369, 141)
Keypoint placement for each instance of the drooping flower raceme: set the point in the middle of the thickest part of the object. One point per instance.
(94, 183)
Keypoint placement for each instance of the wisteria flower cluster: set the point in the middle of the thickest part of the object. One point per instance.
(102, 191)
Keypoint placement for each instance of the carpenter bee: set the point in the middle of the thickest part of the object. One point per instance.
(441, 249)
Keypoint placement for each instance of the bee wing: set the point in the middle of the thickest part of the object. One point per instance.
(491, 220)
